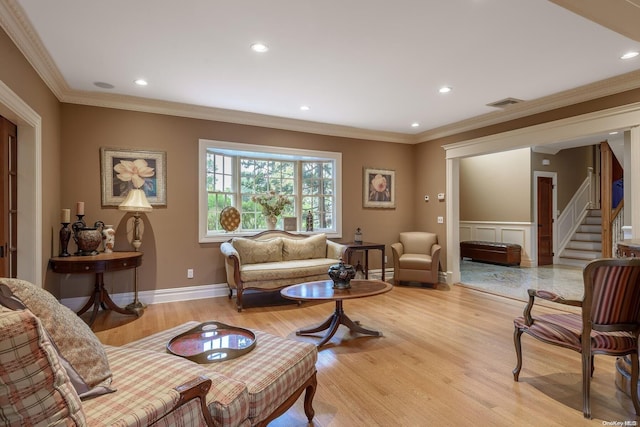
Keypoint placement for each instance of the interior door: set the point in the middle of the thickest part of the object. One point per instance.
(545, 220)
(8, 198)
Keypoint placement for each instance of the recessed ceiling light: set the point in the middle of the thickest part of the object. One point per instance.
(141, 82)
(305, 107)
(445, 89)
(415, 124)
(103, 85)
(259, 47)
(629, 55)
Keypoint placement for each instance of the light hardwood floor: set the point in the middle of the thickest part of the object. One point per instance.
(445, 359)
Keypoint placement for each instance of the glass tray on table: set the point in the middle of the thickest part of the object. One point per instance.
(212, 342)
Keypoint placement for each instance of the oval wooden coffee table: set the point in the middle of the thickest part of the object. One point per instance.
(323, 291)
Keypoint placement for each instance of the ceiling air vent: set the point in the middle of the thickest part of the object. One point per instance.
(504, 102)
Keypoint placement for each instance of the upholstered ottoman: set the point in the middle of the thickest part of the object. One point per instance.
(275, 372)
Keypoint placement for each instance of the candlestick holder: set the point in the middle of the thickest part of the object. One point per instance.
(81, 219)
(65, 235)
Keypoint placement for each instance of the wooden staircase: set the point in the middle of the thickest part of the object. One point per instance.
(586, 243)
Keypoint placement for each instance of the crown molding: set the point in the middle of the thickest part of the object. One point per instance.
(570, 128)
(17, 25)
(599, 89)
(125, 102)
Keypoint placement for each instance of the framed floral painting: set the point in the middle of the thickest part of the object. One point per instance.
(122, 170)
(379, 188)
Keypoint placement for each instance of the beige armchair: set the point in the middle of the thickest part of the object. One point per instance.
(416, 258)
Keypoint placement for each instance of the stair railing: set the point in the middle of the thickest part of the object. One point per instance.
(573, 215)
(617, 234)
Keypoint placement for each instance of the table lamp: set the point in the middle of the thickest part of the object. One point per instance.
(136, 202)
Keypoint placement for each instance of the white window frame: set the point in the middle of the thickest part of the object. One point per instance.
(235, 149)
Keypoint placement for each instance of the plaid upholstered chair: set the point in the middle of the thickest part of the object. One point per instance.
(610, 317)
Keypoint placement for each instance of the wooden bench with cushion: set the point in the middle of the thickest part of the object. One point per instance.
(491, 252)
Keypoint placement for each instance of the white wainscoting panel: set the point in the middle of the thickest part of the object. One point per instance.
(465, 232)
(485, 234)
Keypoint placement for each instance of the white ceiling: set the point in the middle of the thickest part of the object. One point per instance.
(374, 65)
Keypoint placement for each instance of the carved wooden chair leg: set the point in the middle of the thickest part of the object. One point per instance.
(587, 369)
(516, 340)
(308, 399)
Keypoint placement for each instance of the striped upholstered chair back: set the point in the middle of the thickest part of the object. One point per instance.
(612, 295)
(609, 323)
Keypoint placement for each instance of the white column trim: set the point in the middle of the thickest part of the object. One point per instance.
(634, 182)
(618, 118)
(30, 230)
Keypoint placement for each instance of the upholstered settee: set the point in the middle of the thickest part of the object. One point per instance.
(54, 371)
(272, 260)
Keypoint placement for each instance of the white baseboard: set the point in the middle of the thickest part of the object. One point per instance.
(445, 277)
(158, 296)
(189, 293)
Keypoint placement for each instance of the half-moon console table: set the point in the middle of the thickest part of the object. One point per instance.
(98, 264)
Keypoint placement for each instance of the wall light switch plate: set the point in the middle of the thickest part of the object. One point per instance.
(440, 220)
(190, 273)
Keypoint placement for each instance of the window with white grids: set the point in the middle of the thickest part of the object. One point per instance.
(234, 174)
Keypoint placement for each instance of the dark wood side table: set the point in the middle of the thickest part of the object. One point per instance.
(98, 264)
(366, 247)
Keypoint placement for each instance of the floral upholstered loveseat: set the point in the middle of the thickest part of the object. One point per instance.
(54, 371)
(272, 260)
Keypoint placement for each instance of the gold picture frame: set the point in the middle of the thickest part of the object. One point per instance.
(379, 188)
(117, 163)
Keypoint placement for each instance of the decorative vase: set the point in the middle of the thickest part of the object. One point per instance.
(341, 274)
(271, 222)
(108, 238)
(87, 238)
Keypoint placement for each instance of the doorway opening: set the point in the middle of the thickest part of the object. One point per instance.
(545, 211)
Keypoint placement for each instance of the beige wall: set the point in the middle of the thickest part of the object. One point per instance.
(496, 187)
(73, 134)
(170, 241)
(20, 77)
(571, 166)
(430, 179)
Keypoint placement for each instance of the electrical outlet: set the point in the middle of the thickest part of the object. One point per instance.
(190, 273)
(440, 220)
